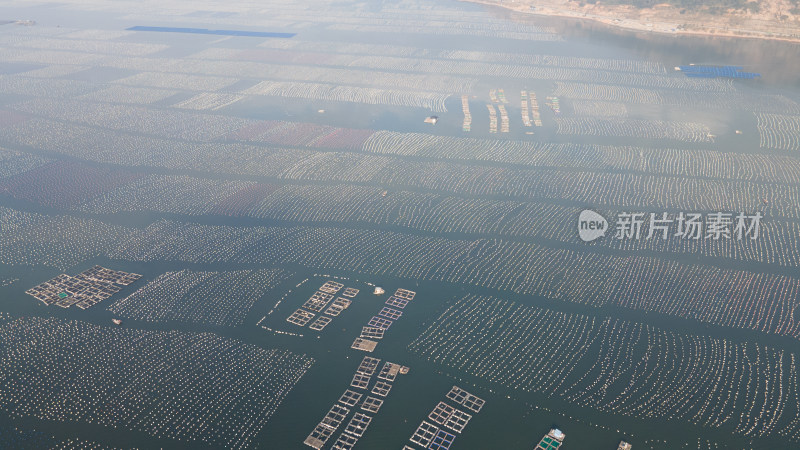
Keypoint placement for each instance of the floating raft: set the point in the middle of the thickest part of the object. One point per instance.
(83, 290)
(467, 116)
(716, 71)
(553, 103)
(552, 440)
(364, 344)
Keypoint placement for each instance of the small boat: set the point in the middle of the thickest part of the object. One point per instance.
(117, 321)
(378, 290)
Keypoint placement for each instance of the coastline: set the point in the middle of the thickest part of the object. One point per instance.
(638, 25)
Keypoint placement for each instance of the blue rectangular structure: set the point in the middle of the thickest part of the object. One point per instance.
(213, 32)
(717, 71)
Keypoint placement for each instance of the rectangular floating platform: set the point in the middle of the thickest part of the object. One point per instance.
(350, 292)
(380, 322)
(381, 388)
(345, 442)
(372, 404)
(397, 302)
(441, 413)
(371, 333)
(318, 301)
(331, 287)
(424, 434)
(389, 371)
(442, 441)
(350, 398)
(266, 34)
(358, 424)
(318, 437)
(551, 441)
(390, 313)
(335, 416)
(405, 293)
(300, 317)
(334, 310)
(717, 71)
(360, 381)
(364, 344)
(463, 397)
(458, 420)
(368, 365)
(320, 323)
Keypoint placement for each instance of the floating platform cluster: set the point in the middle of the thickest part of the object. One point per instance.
(467, 125)
(700, 71)
(351, 401)
(319, 302)
(445, 419)
(552, 440)
(83, 290)
(377, 325)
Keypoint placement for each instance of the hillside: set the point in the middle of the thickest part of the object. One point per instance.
(771, 19)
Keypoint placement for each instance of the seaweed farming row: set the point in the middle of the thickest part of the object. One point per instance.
(645, 283)
(90, 143)
(431, 213)
(174, 124)
(56, 241)
(589, 108)
(640, 129)
(319, 91)
(217, 298)
(13, 162)
(535, 67)
(209, 101)
(442, 31)
(298, 45)
(596, 188)
(779, 131)
(30, 438)
(136, 95)
(749, 102)
(166, 80)
(466, 185)
(232, 389)
(515, 218)
(617, 366)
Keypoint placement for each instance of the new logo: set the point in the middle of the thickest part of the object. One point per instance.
(591, 225)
